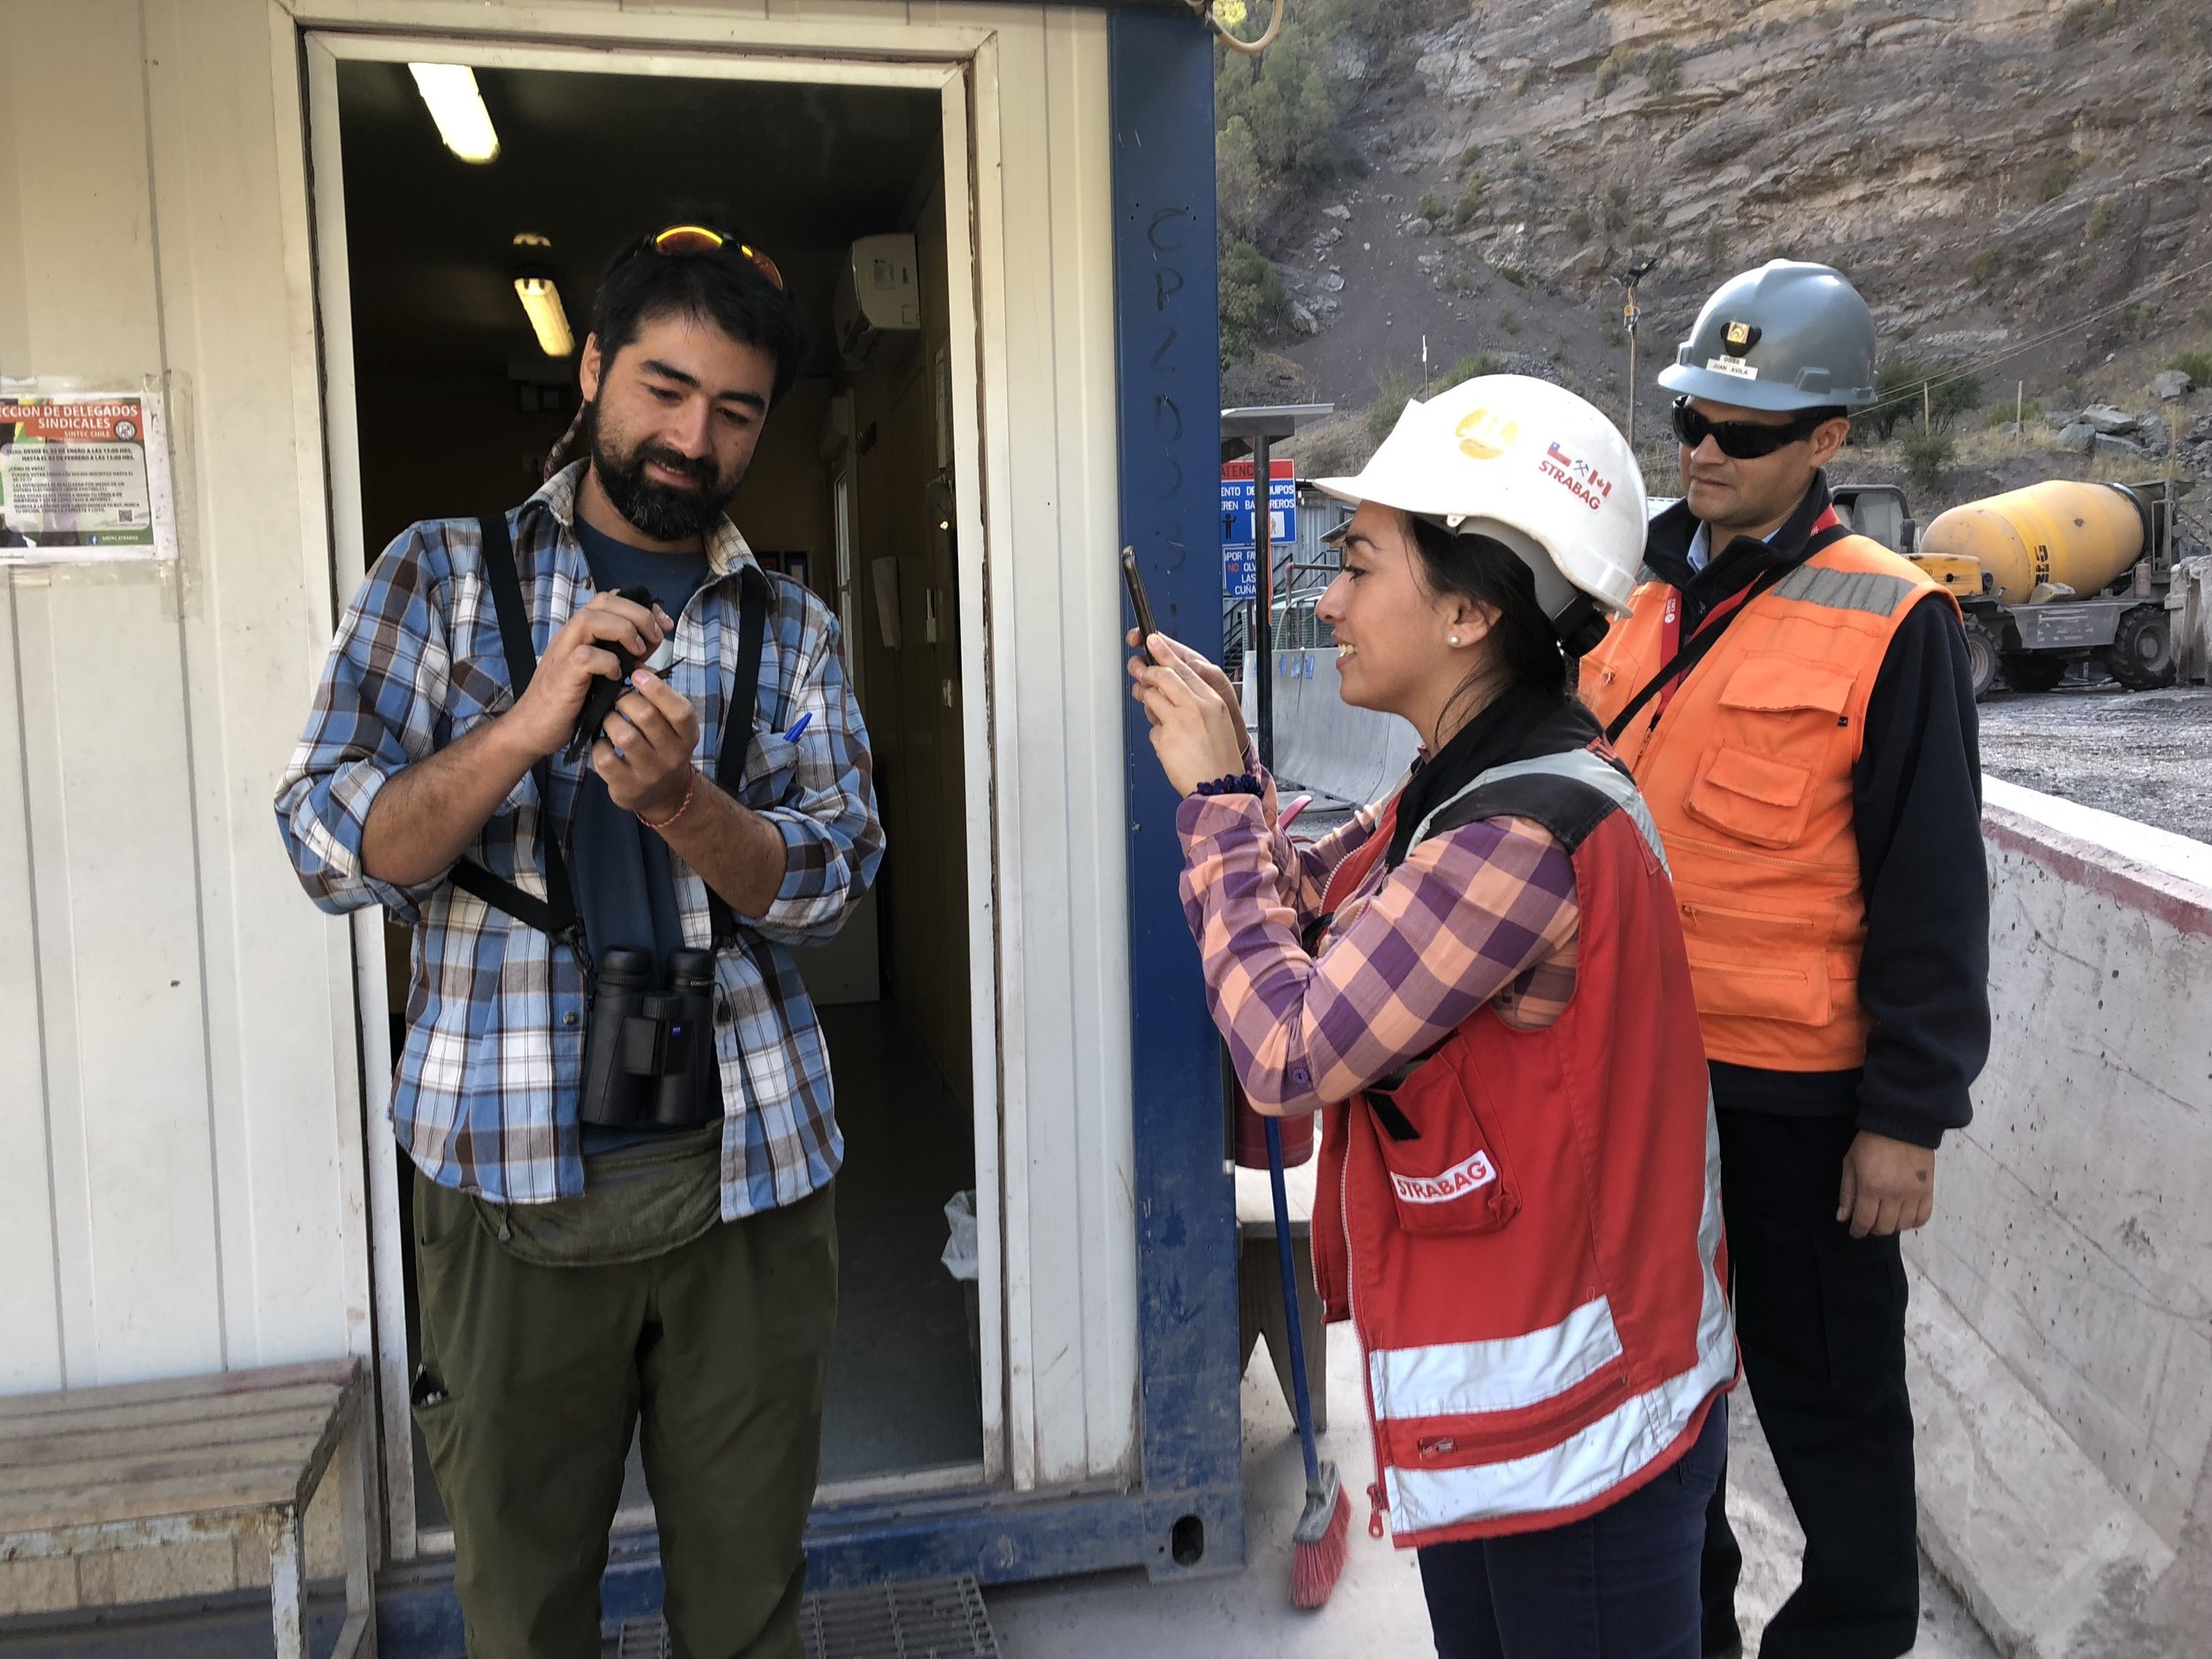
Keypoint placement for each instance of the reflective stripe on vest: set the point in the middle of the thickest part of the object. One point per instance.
(1594, 1460)
(1871, 591)
(1581, 766)
(1449, 1379)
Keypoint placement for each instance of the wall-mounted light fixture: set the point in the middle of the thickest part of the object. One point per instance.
(457, 107)
(541, 298)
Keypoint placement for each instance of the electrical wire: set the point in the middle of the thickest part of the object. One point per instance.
(1931, 383)
(1250, 49)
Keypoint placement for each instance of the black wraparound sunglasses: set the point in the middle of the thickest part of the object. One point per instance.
(1744, 440)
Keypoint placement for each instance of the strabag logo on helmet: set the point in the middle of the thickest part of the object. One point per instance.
(1467, 1176)
(1591, 487)
(1485, 434)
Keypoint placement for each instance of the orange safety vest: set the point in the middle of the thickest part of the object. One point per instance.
(1747, 770)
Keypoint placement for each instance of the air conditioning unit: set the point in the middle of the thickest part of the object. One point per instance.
(877, 294)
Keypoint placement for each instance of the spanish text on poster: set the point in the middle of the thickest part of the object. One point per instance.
(84, 478)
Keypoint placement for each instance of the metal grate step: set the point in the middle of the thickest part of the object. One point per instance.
(941, 1618)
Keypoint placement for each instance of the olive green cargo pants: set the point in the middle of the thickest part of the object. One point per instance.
(534, 1377)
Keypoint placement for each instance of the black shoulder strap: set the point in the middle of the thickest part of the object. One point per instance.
(1693, 652)
(554, 915)
(737, 718)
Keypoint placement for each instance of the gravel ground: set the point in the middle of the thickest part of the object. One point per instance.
(2145, 755)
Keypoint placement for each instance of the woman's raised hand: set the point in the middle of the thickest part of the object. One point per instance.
(1208, 673)
(1196, 730)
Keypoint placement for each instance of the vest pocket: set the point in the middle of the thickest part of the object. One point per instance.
(1787, 985)
(1451, 1176)
(1751, 796)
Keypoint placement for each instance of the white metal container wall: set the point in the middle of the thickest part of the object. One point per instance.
(184, 1188)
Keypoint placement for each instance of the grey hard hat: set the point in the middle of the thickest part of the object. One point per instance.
(1788, 335)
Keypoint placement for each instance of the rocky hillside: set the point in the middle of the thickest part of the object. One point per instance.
(2019, 188)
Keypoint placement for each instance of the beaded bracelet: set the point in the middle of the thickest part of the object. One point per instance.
(690, 784)
(1235, 783)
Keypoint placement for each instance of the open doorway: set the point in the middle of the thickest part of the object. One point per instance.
(456, 402)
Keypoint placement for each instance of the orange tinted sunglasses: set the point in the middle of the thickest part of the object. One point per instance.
(680, 239)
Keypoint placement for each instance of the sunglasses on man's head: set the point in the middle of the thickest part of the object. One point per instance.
(680, 240)
(1743, 439)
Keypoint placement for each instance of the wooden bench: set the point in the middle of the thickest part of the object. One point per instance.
(1260, 1282)
(237, 1455)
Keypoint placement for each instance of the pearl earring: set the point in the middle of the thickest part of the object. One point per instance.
(1455, 639)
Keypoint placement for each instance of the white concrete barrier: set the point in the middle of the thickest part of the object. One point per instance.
(2062, 1328)
(1324, 744)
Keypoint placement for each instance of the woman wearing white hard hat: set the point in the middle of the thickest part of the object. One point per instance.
(1481, 983)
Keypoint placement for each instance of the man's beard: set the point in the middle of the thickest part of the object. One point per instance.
(663, 512)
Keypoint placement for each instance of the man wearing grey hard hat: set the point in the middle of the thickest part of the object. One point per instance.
(1796, 705)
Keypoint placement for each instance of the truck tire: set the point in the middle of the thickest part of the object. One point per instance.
(2034, 671)
(1981, 657)
(2141, 654)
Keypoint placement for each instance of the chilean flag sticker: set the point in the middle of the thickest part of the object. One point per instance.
(1469, 1175)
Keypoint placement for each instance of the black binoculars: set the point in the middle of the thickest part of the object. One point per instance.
(648, 1054)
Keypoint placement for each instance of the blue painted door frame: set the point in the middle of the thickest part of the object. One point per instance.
(1186, 1513)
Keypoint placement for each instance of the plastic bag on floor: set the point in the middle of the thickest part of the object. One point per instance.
(960, 1250)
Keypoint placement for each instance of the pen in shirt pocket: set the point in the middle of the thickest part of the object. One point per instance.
(797, 726)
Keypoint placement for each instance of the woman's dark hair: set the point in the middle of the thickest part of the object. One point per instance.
(1525, 650)
(722, 288)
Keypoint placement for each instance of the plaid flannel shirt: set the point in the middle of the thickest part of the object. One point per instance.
(1486, 913)
(485, 1099)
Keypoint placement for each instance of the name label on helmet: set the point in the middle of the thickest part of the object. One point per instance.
(1591, 487)
(1736, 366)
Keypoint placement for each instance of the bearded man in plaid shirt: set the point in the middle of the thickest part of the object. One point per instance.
(574, 1278)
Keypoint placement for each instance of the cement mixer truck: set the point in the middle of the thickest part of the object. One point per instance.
(2055, 574)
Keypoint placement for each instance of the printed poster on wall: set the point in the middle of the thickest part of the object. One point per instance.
(84, 478)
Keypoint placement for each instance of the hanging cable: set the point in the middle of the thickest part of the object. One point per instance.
(1911, 395)
(1211, 12)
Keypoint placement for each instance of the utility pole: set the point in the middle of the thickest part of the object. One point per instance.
(1630, 314)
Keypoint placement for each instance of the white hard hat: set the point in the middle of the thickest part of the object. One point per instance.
(1529, 464)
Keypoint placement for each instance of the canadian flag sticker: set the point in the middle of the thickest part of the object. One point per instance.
(1468, 1176)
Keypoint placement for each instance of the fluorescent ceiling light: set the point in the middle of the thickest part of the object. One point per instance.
(457, 107)
(542, 301)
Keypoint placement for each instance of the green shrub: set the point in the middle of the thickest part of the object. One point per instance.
(2002, 414)
(1507, 321)
(1930, 454)
(1985, 265)
(1618, 62)
(1662, 69)
(2196, 365)
(1468, 157)
(1902, 387)
(1616, 206)
(1431, 207)
(1475, 365)
(2102, 217)
(1580, 226)
(1238, 180)
(1393, 387)
(1469, 203)
(1715, 244)
(1513, 274)
(2058, 178)
(1252, 302)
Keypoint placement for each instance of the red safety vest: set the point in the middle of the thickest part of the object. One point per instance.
(1536, 1276)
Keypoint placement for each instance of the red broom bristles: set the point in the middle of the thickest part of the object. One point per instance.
(1316, 1566)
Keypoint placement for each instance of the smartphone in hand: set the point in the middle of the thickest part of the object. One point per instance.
(1137, 601)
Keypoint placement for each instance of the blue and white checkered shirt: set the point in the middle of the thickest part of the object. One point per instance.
(486, 1095)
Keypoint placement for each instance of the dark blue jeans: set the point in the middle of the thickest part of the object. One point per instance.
(1621, 1584)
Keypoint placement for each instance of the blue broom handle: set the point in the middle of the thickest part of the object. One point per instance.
(1305, 1401)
